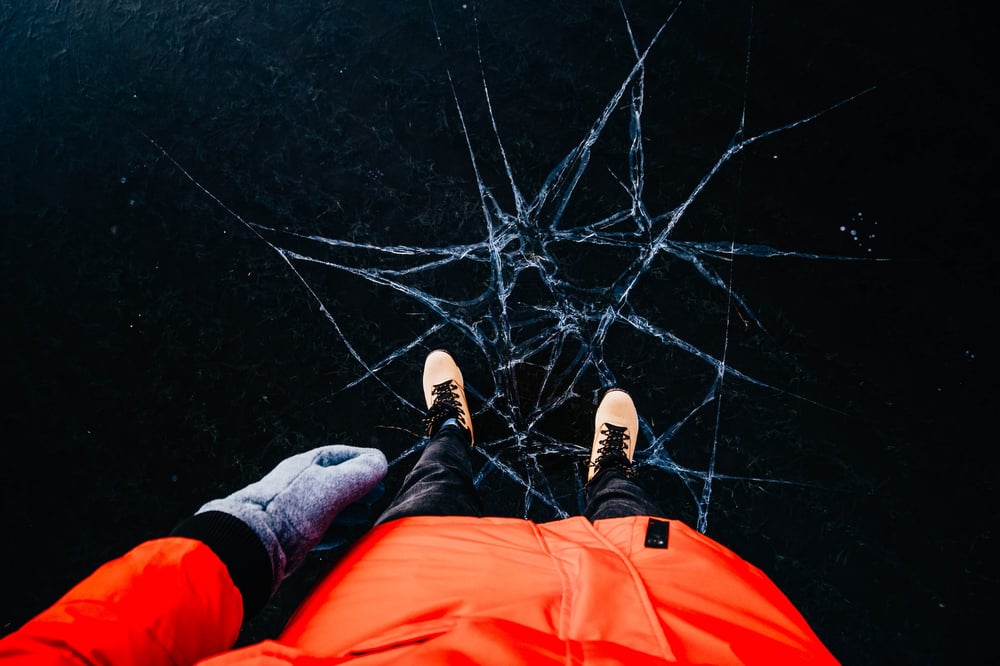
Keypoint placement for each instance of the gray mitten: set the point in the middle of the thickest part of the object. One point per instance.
(293, 505)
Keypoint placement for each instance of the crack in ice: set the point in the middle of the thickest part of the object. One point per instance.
(563, 333)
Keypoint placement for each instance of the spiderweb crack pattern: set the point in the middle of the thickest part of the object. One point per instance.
(531, 314)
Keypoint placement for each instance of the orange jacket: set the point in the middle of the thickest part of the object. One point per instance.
(433, 590)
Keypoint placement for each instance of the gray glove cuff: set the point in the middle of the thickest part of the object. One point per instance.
(261, 525)
(240, 549)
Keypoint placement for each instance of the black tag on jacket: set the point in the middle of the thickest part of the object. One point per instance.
(658, 533)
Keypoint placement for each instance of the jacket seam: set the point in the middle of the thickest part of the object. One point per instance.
(639, 587)
(565, 599)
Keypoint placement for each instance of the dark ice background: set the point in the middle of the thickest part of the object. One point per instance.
(158, 353)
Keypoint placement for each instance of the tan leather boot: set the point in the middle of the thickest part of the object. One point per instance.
(616, 428)
(444, 393)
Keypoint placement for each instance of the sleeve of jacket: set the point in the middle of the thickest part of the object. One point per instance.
(168, 601)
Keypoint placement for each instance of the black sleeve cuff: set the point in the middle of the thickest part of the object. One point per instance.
(240, 550)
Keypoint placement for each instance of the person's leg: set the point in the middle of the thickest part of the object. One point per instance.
(440, 484)
(611, 490)
(614, 494)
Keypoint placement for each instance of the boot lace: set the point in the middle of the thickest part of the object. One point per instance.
(445, 406)
(612, 450)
